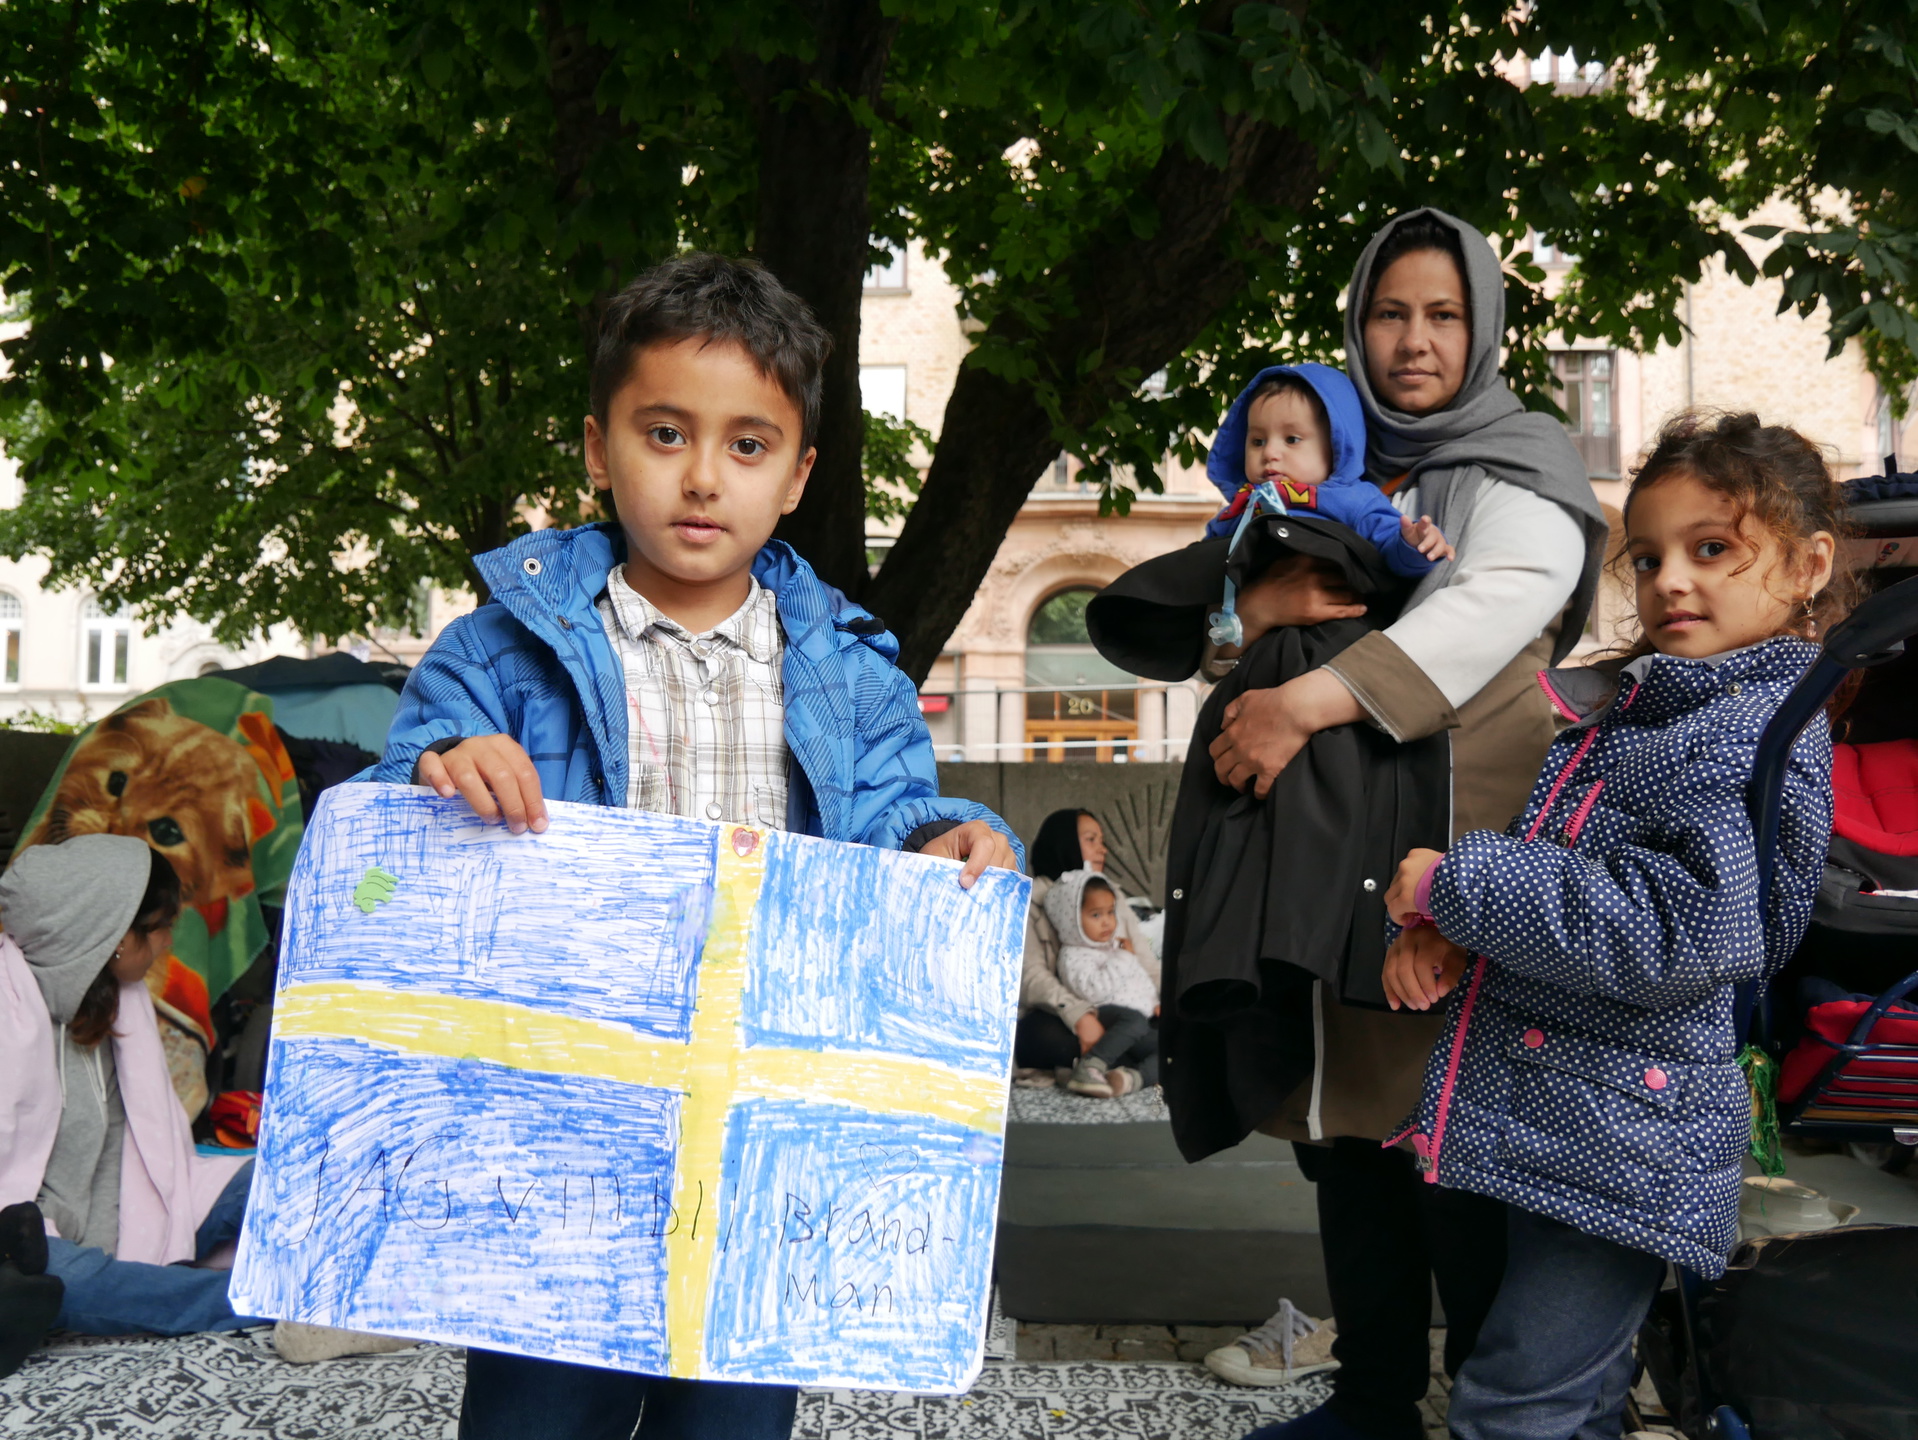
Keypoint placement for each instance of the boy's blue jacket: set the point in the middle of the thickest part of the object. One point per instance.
(534, 663)
(1588, 1068)
(1346, 496)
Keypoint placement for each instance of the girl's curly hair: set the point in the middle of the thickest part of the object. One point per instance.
(1770, 473)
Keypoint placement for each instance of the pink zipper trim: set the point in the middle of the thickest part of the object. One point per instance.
(1558, 703)
(1429, 1162)
(1429, 1159)
(1591, 738)
(1584, 809)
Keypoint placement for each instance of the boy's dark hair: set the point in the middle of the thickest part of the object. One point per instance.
(1290, 384)
(1408, 237)
(721, 301)
(1096, 885)
(159, 907)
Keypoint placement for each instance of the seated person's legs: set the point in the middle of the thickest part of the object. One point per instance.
(223, 1221)
(1144, 1056)
(124, 1297)
(1124, 1029)
(1043, 1041)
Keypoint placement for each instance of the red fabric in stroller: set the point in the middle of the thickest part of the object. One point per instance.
(1831, 1025)
(1875, 788)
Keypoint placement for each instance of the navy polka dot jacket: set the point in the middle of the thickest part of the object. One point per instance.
(1587, 1070)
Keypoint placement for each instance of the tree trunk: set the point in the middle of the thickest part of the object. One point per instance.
(1144, 301)
(813, 230)
(581, 129)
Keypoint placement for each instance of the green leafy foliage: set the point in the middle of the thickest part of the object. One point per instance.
(892, 477)
(306, 284)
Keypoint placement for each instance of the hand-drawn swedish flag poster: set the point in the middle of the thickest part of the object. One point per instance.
(639, 1092)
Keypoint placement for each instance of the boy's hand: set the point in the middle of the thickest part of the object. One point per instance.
(976, 843)
(1421, 969)
(1423, 536)
(1401, 899)
(488, 769)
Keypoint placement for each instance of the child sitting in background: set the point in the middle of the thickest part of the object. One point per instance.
(1588, 1077)
(1098, 966)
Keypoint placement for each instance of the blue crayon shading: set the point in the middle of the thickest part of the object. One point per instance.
(581, 930)
(463, 1201)
(857, 948)
(854, 1248)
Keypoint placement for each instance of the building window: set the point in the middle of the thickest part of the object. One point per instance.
(889, 278)
(882, 390)
(1584, 392)
(105, 640)
(12, 623)
(1567, 72)
(1079, 705)
(1887, 434)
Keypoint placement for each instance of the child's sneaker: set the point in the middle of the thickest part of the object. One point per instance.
(1089, 1078)
(1287, 1347)
(1124, 1080)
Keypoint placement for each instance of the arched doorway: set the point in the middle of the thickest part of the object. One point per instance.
(1079, 705)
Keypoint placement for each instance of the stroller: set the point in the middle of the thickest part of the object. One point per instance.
(1816, 1335)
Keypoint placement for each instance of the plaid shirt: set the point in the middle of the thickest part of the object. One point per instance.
(706, 717)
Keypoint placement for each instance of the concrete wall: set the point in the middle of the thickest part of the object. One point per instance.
(1133, 802)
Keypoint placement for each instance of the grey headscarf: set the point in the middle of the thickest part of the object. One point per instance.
(1484, 433)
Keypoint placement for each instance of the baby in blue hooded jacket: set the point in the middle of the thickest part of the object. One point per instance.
(1300, 429)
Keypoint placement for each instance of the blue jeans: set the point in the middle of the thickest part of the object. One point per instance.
(514, 1397)
(1554, 1356)
(124, 1297)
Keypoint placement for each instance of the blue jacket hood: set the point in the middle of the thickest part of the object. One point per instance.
(1225, 464)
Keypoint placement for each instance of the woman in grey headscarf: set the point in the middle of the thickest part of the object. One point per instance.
(1446, 438)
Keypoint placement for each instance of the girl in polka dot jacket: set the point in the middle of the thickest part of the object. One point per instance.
(1587, 1074)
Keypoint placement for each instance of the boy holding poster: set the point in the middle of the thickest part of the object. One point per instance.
(682, 661)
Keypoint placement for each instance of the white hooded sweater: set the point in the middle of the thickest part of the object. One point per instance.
(1107, 974)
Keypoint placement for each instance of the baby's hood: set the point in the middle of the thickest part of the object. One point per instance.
(1225, 465)
(1062, 904)
(67, 905)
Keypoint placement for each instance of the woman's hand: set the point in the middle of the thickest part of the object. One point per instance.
(1422, 968)
(1265, 729)
(1089, 1031)
(1401, 899)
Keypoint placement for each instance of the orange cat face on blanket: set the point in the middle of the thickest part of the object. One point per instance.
(187, 790)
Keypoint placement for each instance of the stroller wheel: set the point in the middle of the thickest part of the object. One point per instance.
(1725, 1424)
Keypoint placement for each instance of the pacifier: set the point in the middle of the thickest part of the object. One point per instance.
(1223, 626)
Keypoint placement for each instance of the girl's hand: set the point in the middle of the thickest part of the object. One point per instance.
(1421, 969)
(1423, 536)
(1401, 900)
(1089, 1031)
(1265, 729)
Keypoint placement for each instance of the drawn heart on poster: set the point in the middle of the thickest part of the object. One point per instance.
(883, 1166)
